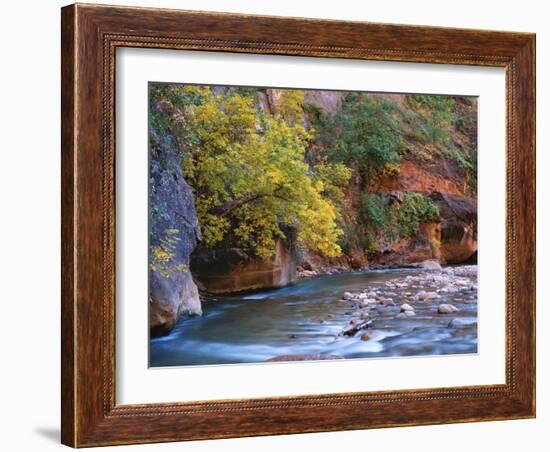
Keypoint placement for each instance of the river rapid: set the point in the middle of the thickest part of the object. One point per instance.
(352, 315)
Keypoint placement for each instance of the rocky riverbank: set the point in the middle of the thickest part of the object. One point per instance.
(439, 294)
(301, 273)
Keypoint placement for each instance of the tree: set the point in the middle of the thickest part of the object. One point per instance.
(249, 177)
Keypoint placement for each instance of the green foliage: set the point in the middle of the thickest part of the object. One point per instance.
(159, 122)
(442, 107)
(436, 117)
(178, 96)
(468, 162)
(465, 161)
(416, 209)
(392, 221)
(373, 210)
(434, 133)
(247, 91)
(442, 127)
(371, 133)
(364, 133)
(168, 107)
(463, 122)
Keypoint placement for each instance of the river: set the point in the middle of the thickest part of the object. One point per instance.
(307, 318)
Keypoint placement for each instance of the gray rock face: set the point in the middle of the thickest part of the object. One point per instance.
(173, 234)
(170, 298)
(330, 101)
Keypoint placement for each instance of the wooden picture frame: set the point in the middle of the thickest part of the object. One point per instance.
(90, 36)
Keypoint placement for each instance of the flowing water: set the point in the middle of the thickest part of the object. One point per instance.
(308, 317)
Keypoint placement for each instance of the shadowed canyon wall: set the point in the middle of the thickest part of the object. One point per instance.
(174, 233)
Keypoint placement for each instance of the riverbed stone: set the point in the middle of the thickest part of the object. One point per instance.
(431, 265)
(458, 323)
(383, 300)
(405, 314)
(406, 307)
(446, 308)
(307, 273)
(366, 302)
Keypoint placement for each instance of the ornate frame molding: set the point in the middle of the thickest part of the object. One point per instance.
(90, 37)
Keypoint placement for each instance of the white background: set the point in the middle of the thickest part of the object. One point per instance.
(29, 397)
(137, 384)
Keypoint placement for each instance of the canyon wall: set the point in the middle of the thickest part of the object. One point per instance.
(173, 234)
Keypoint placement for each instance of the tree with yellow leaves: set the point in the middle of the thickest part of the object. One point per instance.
(248, 174)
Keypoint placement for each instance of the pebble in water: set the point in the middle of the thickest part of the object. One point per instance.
(446, 308)
(405, 314)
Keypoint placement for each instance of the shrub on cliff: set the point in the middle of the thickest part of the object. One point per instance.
(365, 133)
(416, 209)
(444, 126)
(374, 211)
(390, 221)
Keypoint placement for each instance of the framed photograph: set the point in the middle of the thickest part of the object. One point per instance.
(280, 225)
